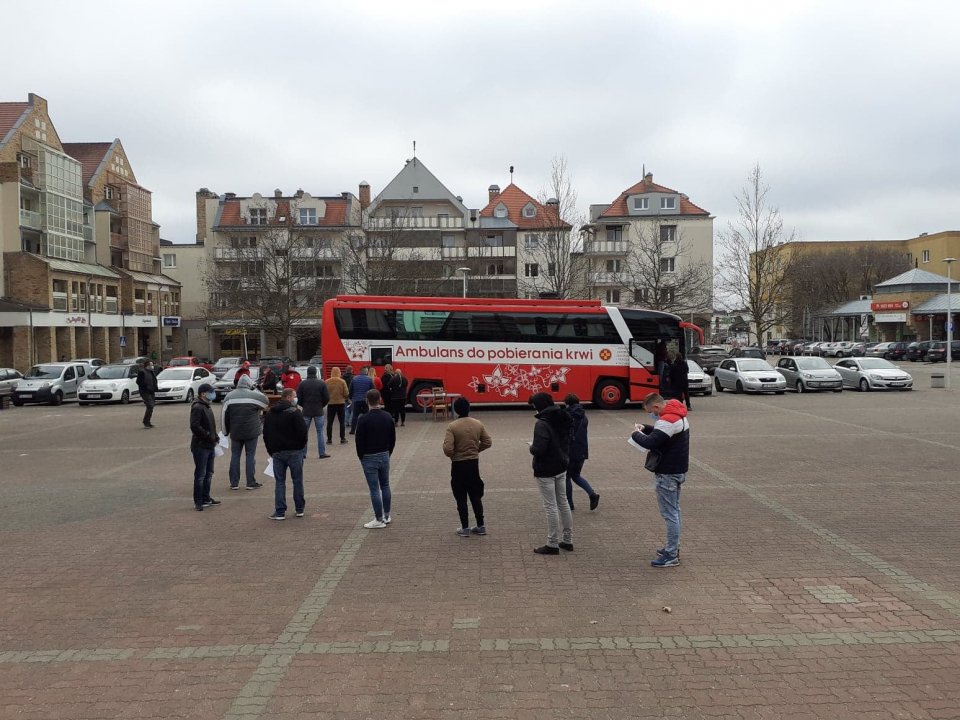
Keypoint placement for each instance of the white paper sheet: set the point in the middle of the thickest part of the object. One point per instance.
(224, 442)
(269, 471)
(639, 447)
(218, 451)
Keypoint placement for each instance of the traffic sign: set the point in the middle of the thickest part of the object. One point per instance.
(123, 341)
(949, 326)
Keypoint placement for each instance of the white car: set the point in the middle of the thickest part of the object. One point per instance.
(749, 375)
(697, 379)
(110, 383)
(182, 384)
(870, 373)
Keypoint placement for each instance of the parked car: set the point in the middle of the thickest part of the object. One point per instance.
(839, 349)
(50, 383)
(749, 375)
(813, 349)
(708, 357)
(873, 373)
(224, 365)
(895, 351)
(92, 363)
(698, 380)
(917, 351)
(189, 361)
(858, 349)
(809, 373)
(797, 347)
(316, 360)
(938, 351)
(181, 383)
(9, 379)
(878, 350)
(739, 352)
(225, 384)
(110, 383)
(272, 360)
(136, 360)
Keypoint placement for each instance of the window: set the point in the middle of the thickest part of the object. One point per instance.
(614, 233)
(529, 211)
(613, 296)
(500, 211)
(910, 258)
(325, 271)
(926, 256)
(669, 294)
(169, 260)
(613, 266)
(551, 269)
(531, 241)
(308, 216)
(416, 211)
(668, 264)
(493, 241)
(447, 271)
(23, 160)
(416, 189)
(641, 295)
(108, 192)
(448, 241)
(668, 233)
(668, 203)
(531, 270)
(60, 295)
(495, 269)
(641, 203)
(258, 216)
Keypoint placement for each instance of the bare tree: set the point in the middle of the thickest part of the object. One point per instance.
(756, 261)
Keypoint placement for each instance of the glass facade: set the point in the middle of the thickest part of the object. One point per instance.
(61, 204)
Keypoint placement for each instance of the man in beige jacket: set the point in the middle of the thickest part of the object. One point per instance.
(466, 438)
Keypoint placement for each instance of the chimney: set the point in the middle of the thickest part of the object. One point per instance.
(493, 191)
(230, 195)
(364, 195)
(648, 179)
(278, 193)
(299, 193)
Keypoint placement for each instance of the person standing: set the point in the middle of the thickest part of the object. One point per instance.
(268, 380)
(465, 439)
(314, 396)
(285, 436)
(679, 379)
(290, 377)
(337, 388)
(385, 381)
(398, 397)
(663, 373)
(361, 385)
(551, 457)
(348, 405)
(579, 451)
(244, 371)
(376, 438)
(203, 443)
(147, 384)
(377, 382)
(670, 436)
(240, 420)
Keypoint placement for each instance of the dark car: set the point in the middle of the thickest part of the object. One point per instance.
(938, 351)
(741, 352)
(708, 357)
(895, 351)
(275, 360)
(917, 351)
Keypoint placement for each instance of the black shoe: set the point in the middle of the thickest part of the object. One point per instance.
(403, 424)
(570, 503)
(147, 427)
(329, 441)
(350, 433)
(567, 546)
(234, 487)
(254, 486)
(210, 501)
(324, 456)
(198, 508)
(594, 501)
(343, 441)
(546, 550)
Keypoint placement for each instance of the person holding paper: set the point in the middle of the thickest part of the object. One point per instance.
(285, 437)
(203, 446)
(240, 420)
(550, 448)
(670, 437)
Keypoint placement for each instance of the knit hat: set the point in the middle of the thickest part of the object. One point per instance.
(244, 382)
(461, 406)
(541, 401)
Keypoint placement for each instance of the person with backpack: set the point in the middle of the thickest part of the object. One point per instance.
(550, 448)
(314, 395)
(465, 439)
(579, 451)
(667, 442)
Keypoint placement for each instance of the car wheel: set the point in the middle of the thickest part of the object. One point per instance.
(610, 395)
(716, 382)
(189, 398)
(125, 397)
(739, 386)
(57, 399)
(18, 403)
(864, 385)
(800, 387)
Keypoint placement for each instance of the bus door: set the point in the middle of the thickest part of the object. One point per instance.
(644, 360)
(380, 356)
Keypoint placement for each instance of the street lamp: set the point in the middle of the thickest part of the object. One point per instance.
(949, 262)
(465, 272)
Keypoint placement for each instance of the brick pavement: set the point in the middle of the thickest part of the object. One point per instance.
(820, 575)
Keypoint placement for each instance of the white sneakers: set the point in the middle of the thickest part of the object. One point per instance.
(375, 524)
(387, 519)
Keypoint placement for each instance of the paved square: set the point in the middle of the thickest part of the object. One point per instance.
(820, 575)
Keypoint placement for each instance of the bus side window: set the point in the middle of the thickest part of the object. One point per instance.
(509, 328)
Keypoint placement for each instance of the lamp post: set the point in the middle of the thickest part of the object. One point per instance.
(465, 272)
(949, 262)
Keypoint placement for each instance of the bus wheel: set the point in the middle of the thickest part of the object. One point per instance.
(421, 405)
(610, 395)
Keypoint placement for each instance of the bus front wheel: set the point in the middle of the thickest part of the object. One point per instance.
(610, 394)
(420, 403)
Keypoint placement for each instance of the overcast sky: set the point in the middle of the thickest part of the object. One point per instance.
(851, 108)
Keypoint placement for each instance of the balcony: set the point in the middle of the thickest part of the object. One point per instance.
(418, 254)
(450, 253)
(492, 251)
(88, 233)
(604, 278)
(414, 223)
(30, 219)
(601, 247)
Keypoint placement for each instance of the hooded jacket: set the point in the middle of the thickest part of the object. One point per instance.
(284, 429)
(671, 436)
(240, 414)
(579, 449)
(203, 426)
(337, 388)
(551, 438)
(313, 396)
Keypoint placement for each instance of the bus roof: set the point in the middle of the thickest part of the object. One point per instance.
(513, 302)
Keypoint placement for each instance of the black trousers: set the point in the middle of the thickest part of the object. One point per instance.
(149, 400)
(336, 411)
(398, 408)
(685, 395)
(359, 408)
(466, 484)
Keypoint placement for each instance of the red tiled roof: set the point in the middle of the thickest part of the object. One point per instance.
(516, 199)
(90, 156)
(619, 206)
(335, 216)
(10, 112)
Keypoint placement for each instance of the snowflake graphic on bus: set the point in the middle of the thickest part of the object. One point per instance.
(509, 380)
(356, 349)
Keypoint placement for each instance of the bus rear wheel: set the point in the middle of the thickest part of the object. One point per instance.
(610, 394)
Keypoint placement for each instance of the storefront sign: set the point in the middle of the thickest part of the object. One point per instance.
(171, 322)
(890, 318)
(899, 305)
(234, 332)
(76, 320)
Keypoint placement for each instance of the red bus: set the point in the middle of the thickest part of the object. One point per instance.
(504, 350)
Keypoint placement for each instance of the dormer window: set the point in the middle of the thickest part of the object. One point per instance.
(529, 211)
(258, 216)
(668, 203)
(641, 203)
(308, 216)
(500, 211)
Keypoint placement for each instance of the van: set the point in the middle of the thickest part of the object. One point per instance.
(50, 383)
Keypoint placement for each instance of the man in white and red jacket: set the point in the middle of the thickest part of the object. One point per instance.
(670, 437)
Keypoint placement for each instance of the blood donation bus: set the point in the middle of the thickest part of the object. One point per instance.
(504, 350)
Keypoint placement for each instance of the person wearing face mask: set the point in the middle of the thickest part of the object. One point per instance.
(285, 437)
(147, 384)
(203, 443)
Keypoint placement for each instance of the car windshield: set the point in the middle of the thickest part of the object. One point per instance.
(226, 362)
(178, 362)
(184, 374)
(712, 351)
(812, 364)
(44, 371)
(693, 367)
(752, 365)
(110, 372)
(877, 364)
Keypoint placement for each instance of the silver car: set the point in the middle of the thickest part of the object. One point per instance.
(225, 384)
(809, 373)
(872, 373)
(749, 375)
(878, 350)
(50, 383)
(8, 380)
(698, 380)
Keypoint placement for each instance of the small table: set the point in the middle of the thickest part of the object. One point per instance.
(428, 395)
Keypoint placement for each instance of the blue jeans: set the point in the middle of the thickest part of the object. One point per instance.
(573, 476)
(318, 423)
(376, 468)
(668, 498)
(237, 447)
(348, 412)
(202, 473)
(292, 459)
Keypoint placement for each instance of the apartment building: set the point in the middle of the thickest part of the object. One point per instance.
(184, 262)
(79, 252)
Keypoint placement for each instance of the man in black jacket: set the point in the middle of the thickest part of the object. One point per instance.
(679, 378)
(376, 438)
(203, 443)
(550, 448)
(285, 436)
(147, 384)
(314, 396)
(579, 451)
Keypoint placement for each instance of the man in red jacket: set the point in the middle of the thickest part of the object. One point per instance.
(290, 377)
